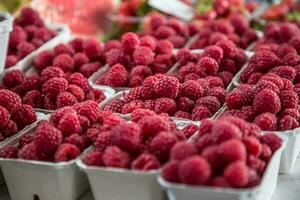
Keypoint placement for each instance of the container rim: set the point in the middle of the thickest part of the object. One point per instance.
(6, 24)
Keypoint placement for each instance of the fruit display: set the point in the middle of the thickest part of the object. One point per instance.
(29, 33)
(227, 153)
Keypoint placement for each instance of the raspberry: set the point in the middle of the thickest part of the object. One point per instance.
(4, 116)
(80, 59)
(31, 82)
(185, 104)
(149, 104)
(89, 69)
(49, 102)
(43, 60)
(9, 152)
(189, 130)
(266, 121)
(69, 124)
(9, 129)
(92, 134)
(148, 41)
(129, 42)
(114, 157)
(138, 114)
(89, 109)
(184, 56)
(24, 116)
(65, 99)
(37, 42)
(10, 100)
(13, 78)
(226, 77)
(165, 105)
(164, 32)
(209, 64)
(183, 150)
(25, 139)
(205, 127)
(170, 171)
(92, 48)
(224, 130)
(291, 59)
(77, 44)
(292, 112)
(17, 36)
(76, 91)
(209, 102)
(237, 99)
(134, 94)
(145, 162)
(194, 170)
(167, 87)
(285, 72)
(84, 122)
(256, 164)
(164, 47)
(63, 49)
(288, 99)
(272, 140)
(287, 84)
(24, 48)
(10, 61)
(55, 85)
(264, 84)
(141, 70)
(254, 78)
(192, 89)
(218, 92)
(216, 37)
(47, 138)
(177, 41)
(66, 152)
(232, 150)
(287, 31)
(59, 113)
(287, 123)
(117, 76)
(252, 145)
(266, 153)
(51, 72)
(104, 139)
(228, 47)
(29, 152)
(94, 158)
(112, 44)
(285, 49)
(214, 52)
(234, 113)
(29, 16)
(115, 105)
(200, 112)
(237, 174)
(65, 62)
(116, 56)
(264, 60)
(267, 101)
(79, 80)
(182, 114)
(143, 56)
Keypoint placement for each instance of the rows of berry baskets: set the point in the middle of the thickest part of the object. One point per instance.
(123, 158)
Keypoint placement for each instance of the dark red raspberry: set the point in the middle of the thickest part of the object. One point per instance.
(285, 72)
(264, 84)
(115, 157)
(248, 112)
(143, 56)
(25, 48)
(29, 152)
(47, 138)
(92, 48)
(267, 101)
(134, 94)
(49, 102)
(205, 127)
(252, 145)
(10, 61)
(59, 113)
(292, 112)
(237, 174)
(192, 89)
(9, 129)
(167, 87)
(287, 31)
(112, 44)
(194, 170)
(80, 59)
(65, 99)
(4, 116)
(25, 139)
(209, 64)
(201, 112)
(89, 69)
(84, 122)
(66, 152)
(218, 92)
(228, 47)
(63, 48)
(94, 158)
(17, 36)
(43, 60)
(138, 114)
(226, 77)
(31, 82)
(76, 91)
(116, 56)
(115, 105)
(24, 116)
(287, 84)
(232, 150)
(51, 72)
(145, 162)
(164, 47)
(170, 171)
(264, 60)
(129, 42)
(79, 80)
(148, 41)
(131, 106)
(266, 121)
(65, 62)
(189, 130)
(185, 104)
(165, 105)
(266, 153)
(256, 163)
(89, 109)
(69, 124)
(211, 102)
(104, 139)
(254, 78)
(224, 130)
(55, 85)
(13, 78)
(10, 100)
(77, 43)
(287, 123)
(183, 150)
(288, 99)
(237, 99)
(214, 52)
(117, 76)
(182, 114)
(272, 140)
(9, 152)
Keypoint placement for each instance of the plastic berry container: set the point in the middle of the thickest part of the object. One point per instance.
(27, 180)
(263, 191)
(5, 29)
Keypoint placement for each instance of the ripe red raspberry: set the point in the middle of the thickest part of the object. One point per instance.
(25, 139)
(272, 140)
(10, 100)
(51, 72)
(79, 80)
(214, 52)
(285, 72)
(267, 101)
(49, 102)
(264, 84)
(24, 48)
(112, 44)
(76, 91)
(232, 150)
(292, 112)
(65, 99)
(69, 124)
(184, 56)
(287, 84)
(254, 78)
(79, 60)
(141, 71)
(223, 130)
(116, 56)
(129, 42)
(31, 82)
(66, 152)
(9, 129)
(89, 109)
(24, 116)
(201, 112)
(216, 37)
(288, 99)
(55, 85)
(17, 36)
(13, 78)
(205, 127)
(9, 152)
(284, 50)
(234, 113)
(264, 60)
(94, 158)
(44, 34)
(29, 16)
(84, 122)
(126, 136)
(185, 104)
(89, 69)
(189, 130)
(149, 104)
(59, 113)
(10, 61)
(164, 32)
(104, 139)
(170, 171)
(266, 153)
(134, 94)
(4, 116)
(91, 135)
(183, 150)
(65, 62)
(145, 162)
(266, 121)
(226, 77)
(47, 138)
(218, 92)
(252, 145)
(165, 105)
(117, 76)
(29, 152)
(143, 55)
(182, 114)
(228, 47)
(43, 60)
(77, 43)
(164, 47)
(237, 174)
(287, 123)
(115, 157)
(92, 48)
(211, 102)
(138, 114)
(167, 87)
(238, 98)
(210, 65)
(256, 164)
(287, 31)
(37, 42)
(192, 89)
(63, 49)
(115, 105)
(148, 41)
(194, 170)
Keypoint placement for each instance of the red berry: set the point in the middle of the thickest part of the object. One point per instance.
(4, 116)
(167, 87)
(25, 139)
(272, 140)
(89, 109)
(252, 145)
(266, 121)
(65, 62)
(9, 152)
(237, 174)
(55, 86)
(24, 116)
(201, 112)
(29, 152)
(115, 157)
(92, 48)
(192, 89)
(51, 72)
(209, 64)
(145, 162)
(170, 171)
(211, 102)
(13, 78)
(183, 150)
(94, 158)
(165, 105)
(223, 130)
(66, 152)
(59, 113)
(69, 124)
(287, 123)
(267, 101)
(10, 100)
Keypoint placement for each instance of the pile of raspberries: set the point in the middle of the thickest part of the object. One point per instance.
(62, 138)
(142, 144)
(223, 60)
(52, 89)
(235, 28)
(14, 116)
(193, 99)
(85, 56)
(228, 153)
(272, 103)
(277, 52)
(29, 33)
(134, 58)
(168, 28)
